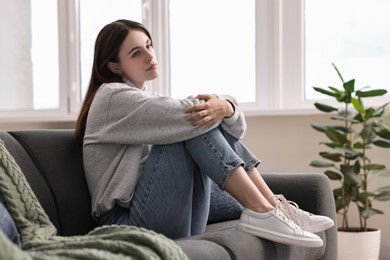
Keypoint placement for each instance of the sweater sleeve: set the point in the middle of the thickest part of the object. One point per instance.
(128, 115)
(236, 124)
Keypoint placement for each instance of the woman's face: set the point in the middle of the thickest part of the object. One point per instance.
(137, 60)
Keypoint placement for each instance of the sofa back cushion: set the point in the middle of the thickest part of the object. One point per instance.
(52, 162)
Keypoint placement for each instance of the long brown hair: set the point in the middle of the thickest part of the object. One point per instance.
(107, 45)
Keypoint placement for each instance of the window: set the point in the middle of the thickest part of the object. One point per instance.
(29, 64)
(46, 58)
(305, 37)
(266, 53)
(209, 55)
(356, 39)
(93, 16)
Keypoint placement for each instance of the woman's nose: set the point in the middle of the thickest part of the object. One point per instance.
(149, 58)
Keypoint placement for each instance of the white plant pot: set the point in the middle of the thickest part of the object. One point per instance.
(359, 245)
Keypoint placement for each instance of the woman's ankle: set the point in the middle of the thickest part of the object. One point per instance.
(261, 209)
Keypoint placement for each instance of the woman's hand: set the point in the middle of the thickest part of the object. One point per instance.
(209, 112)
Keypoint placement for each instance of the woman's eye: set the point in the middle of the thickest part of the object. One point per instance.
(149, 46)
(135, 54)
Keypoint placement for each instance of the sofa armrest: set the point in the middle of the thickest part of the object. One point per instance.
(313, 193)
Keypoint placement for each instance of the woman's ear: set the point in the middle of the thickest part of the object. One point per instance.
(114, 67)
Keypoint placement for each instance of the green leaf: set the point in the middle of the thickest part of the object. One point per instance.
(336, 157)
(357, 167)
(349, 87)
(345, 97)
(331, 145)
(381, 143)
(335, 90)
(325, 92)
(344, 119)
(342, 129)
(333, 175)
(352, 190)
(358, 145)
(370, 112)
(358, 106)
(324, 108)
(346, 150)
(322, 128)
(351, 156)
(336, 136)
(383, 173)
(349, 173)
(371, 93)
(378, 112)
(383, 194)
(384, 107)
(338, 72)
(383, 133)
(374, 166)
(319, 127)
(369, 212)
(368, 134)
(337, 192)
(340, 203)
(320, 164)
(364, 196)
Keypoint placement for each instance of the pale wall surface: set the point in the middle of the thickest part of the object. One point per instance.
(284, 144)
(289, 143)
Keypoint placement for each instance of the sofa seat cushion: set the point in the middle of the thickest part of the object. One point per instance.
(202, 249)
(242, 245)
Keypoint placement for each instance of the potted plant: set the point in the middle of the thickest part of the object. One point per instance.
(357, 129)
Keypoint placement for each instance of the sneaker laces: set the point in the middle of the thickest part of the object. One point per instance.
(280, 213)
(291, 209)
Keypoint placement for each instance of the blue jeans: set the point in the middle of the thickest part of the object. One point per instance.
(7, 225)
(172, 196)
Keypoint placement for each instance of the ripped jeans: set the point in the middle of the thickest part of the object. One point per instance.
(172, 196)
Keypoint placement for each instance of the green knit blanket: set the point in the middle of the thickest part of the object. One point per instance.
(39, 236)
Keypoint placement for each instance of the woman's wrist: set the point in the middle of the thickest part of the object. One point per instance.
(231, 109)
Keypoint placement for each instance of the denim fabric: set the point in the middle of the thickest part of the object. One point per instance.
(172, 196)
(223, 206)
(7, 225)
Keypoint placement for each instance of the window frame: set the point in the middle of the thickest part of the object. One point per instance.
(279, 61)
(69, 74)
(291, 17)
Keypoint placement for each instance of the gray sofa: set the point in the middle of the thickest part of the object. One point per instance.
(52, 163)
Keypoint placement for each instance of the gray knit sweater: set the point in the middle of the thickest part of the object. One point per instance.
(123, 123)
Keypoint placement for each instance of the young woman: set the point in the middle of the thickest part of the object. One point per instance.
(149, 159)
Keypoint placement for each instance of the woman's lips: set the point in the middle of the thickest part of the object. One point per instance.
(153, 67)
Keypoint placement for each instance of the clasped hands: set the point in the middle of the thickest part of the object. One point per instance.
(210, 111)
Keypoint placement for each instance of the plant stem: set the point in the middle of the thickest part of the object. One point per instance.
(345, 188)
(365, 175)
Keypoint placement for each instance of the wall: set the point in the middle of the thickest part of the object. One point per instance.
(289, 143)
(284, 144)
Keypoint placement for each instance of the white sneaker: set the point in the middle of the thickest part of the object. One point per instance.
(307, 221)
(274, 225)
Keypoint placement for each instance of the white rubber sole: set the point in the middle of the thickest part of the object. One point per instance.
(279, 237)
(320, 227)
